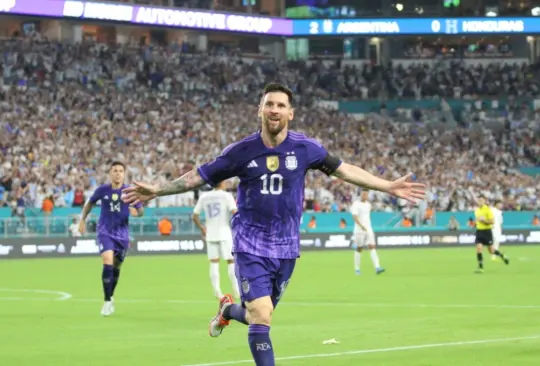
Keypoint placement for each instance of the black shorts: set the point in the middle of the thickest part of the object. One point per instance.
(484, 237)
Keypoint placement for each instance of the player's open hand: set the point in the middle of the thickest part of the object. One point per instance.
(411, 191)
(82, 227)
(133, 211)
(139, 193)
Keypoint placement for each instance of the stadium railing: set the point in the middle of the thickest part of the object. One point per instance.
(58, 226)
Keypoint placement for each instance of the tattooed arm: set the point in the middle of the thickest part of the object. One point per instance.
(142, 192)
(188, 182)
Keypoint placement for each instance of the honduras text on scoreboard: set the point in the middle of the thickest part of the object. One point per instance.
(416, 26)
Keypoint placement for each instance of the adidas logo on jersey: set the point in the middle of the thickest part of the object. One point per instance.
(253, 164)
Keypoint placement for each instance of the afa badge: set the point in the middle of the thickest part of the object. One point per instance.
(272, 163)
(114, 197)
(245, 286)
(291, 163)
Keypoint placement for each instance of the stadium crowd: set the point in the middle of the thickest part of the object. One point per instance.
(67, 111)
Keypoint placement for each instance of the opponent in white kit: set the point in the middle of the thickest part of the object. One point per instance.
(218, 206)
(497, 226)
(363, 232)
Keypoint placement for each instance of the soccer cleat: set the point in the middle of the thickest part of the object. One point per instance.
(493, 257)
(218, 323)
(357, 271)
(380, 270)
(479, 270)
(506, 260)
(107, 309)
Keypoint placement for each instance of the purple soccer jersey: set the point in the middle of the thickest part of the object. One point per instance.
(114, 217)
(270, 193)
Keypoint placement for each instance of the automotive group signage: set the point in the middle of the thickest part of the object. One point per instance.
(150, 15)
(228, 22)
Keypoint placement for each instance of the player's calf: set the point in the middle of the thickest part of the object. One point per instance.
(375, 259)
(215, 278)
(107, 279)
(116, 273)
(259, 315)
(107, 274)
(232, 278)
(499, 254)
(479, 256)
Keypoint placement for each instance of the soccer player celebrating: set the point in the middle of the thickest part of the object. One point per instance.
(112, 229)
(218, 206)
(363, 232)
(484, 234)
(271, 165)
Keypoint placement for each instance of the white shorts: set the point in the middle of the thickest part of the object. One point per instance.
(220, 249)
(496, 233)
(365, 238)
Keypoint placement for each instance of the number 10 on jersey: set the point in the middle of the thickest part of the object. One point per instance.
(272, 184)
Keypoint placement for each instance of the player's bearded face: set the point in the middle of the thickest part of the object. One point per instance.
(275, 112)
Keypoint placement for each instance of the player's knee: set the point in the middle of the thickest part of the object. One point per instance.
(371, 246)
(260, 316)
(214, 260)
(230, 261)
(260, 311)
(359, 249)
(108, 257)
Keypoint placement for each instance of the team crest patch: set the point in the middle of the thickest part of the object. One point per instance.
(272, 163)
(245, 286)
(291, 163)
(114, 197)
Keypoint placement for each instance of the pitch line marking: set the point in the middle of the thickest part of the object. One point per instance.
(377, 350)
(67, 296)
(62, 296)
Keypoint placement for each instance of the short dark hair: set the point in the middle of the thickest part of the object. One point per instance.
(278, 87)
(117, 163)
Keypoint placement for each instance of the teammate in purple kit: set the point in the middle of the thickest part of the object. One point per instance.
(271, 164)
(112, 229)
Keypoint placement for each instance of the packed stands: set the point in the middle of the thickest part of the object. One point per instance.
(68, 110)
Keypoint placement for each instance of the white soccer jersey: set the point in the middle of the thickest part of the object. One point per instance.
(497, 218)
(217, 206)
(362, 210)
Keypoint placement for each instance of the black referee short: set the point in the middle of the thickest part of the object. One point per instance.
(484, 237)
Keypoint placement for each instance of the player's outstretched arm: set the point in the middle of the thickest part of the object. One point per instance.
(401, 187)
(143, 192)
(86, 210)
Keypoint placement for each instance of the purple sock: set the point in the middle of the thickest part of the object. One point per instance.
(236, 312)
(261, 345)
(116, 276)
(107, 277)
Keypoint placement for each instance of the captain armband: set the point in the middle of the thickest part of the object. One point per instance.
(329, 165)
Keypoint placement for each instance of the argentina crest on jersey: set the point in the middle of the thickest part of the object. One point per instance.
(291, 163)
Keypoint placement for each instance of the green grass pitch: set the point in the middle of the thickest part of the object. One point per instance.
(429, 309)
